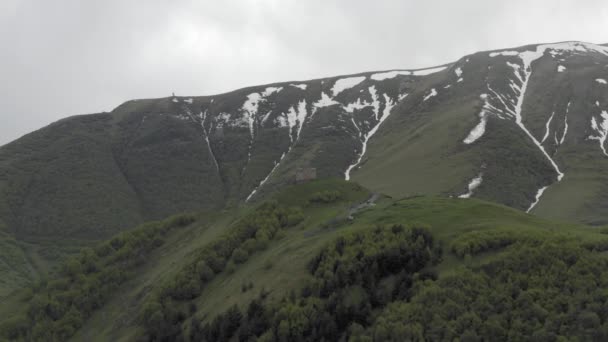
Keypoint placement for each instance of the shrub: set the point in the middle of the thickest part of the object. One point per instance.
(326, 196)
(240, 255)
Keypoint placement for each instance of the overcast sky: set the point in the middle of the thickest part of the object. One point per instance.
(59, 58)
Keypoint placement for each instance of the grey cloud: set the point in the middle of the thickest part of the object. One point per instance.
(68, 57)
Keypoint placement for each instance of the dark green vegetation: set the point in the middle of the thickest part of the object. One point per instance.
(57, 307)
(165, 312)
(543, 291)
(297, 268)
(355, 275)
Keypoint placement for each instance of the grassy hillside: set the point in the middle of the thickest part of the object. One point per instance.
(469, 234)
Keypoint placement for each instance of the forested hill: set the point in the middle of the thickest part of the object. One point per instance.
(307, 265)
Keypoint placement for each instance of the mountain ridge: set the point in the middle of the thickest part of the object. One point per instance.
(401, 132)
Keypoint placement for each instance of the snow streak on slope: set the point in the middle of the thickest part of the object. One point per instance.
(474, 184)
(325, 101)
(601, 81)
(561, 141)
(301, 117)
(478, 131)
(276, 164)
(523, 75)
(561, 68)
(539, 194)
(547, 128)
(346, 83)
(203, 118)
(431, 94)
(601, 129)
(250, 111)
(388, 105)
(294, 118)
(250, 107)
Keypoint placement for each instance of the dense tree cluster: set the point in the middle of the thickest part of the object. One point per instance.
(325, 196)
(164, 313)
(480, 241)
(58, 307)
(352, 277)
(554, 291)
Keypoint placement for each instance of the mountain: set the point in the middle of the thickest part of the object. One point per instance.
(524, 127)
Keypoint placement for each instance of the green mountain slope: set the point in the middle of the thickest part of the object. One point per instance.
(523, 127)
(191, 290)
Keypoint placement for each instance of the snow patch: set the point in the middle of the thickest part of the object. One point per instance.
(478, 131)
(175, 100)
(431, 94)
(250, 109)
(561, 68)
(557, 49)
(282, 121)
(601, 129)
(301, 86)
(428, 71)
(504, 53)
(188, 101)
(458, 72)
(271, 90)
(473, 184)
(394, 73)
(346, 83)
(389, 74)
(358, 105)
(601, 81)
(301, 116)
(325, 101)
(375, 101)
